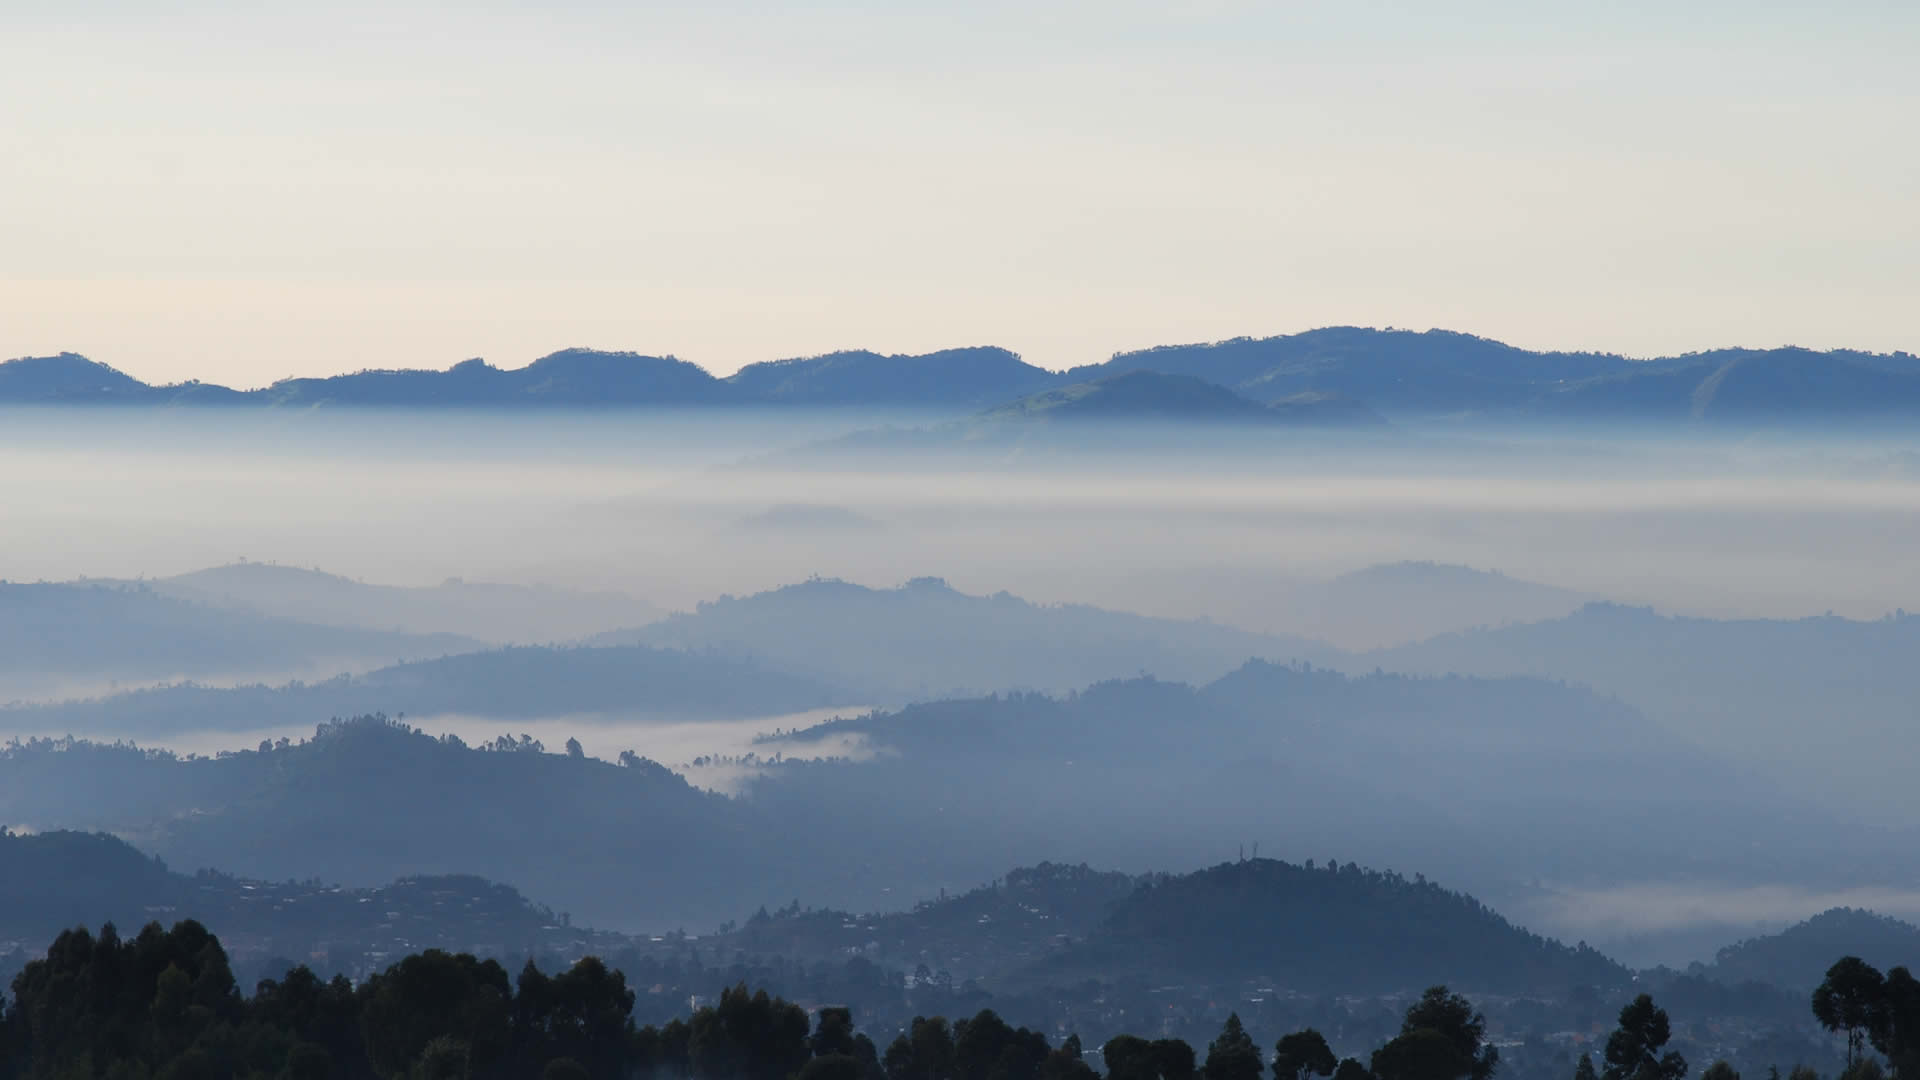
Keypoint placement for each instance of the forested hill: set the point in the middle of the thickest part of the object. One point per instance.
(1398, 372)
(1798, 957)
(1326, 929)
(56, 880)
(366, 801)
(996, 928)
(1438, 371)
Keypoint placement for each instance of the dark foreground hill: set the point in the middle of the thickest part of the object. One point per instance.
(56, 880)
(368, 801)
(1331, 929)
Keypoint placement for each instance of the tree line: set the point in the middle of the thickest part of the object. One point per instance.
(164, 1005)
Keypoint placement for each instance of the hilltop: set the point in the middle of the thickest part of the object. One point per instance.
(1798, 957)
(64, 640)
(369, 800)
(926, 639)
(1319, 930)
(950, 378)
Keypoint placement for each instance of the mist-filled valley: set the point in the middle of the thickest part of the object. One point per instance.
(1129, 681)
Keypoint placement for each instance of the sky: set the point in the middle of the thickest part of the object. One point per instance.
(240, 193)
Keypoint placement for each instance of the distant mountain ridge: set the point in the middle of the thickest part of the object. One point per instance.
(1396, 372)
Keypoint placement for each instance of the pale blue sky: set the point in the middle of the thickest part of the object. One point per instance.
(244, 192)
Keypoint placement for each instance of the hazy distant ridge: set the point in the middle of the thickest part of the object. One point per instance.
(1394, 371)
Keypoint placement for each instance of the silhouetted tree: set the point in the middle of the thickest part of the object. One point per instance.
(1441, 1038)
(1633, 1050)
(1233, 1054)
(1851, 999)
(1302, 1054)
(1896, 1032)
(1720, 1070)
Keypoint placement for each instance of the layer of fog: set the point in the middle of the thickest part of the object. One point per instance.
(1678, 923)
(641, 504)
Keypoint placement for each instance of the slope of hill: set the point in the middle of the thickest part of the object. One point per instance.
(1798, 697)
(519, 682)
(1134, 409)
(1404, 372)
(1747, 386)
(1410, 601)
(990, 930)
(68, 378)
(63, 640)
(56, 880)
(950, 378)
(925, 639)
(1489, 782)
(1331, 929)
(1134, 395)
(367, 801)
(1799, 956)
(496, 613)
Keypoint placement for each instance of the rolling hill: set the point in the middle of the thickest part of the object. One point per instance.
(1791, 696)
(75, 639)
(948, 379)
(1799, 956)
(925, 639)
(502, 614)
(367, 801)
(1319, 930)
